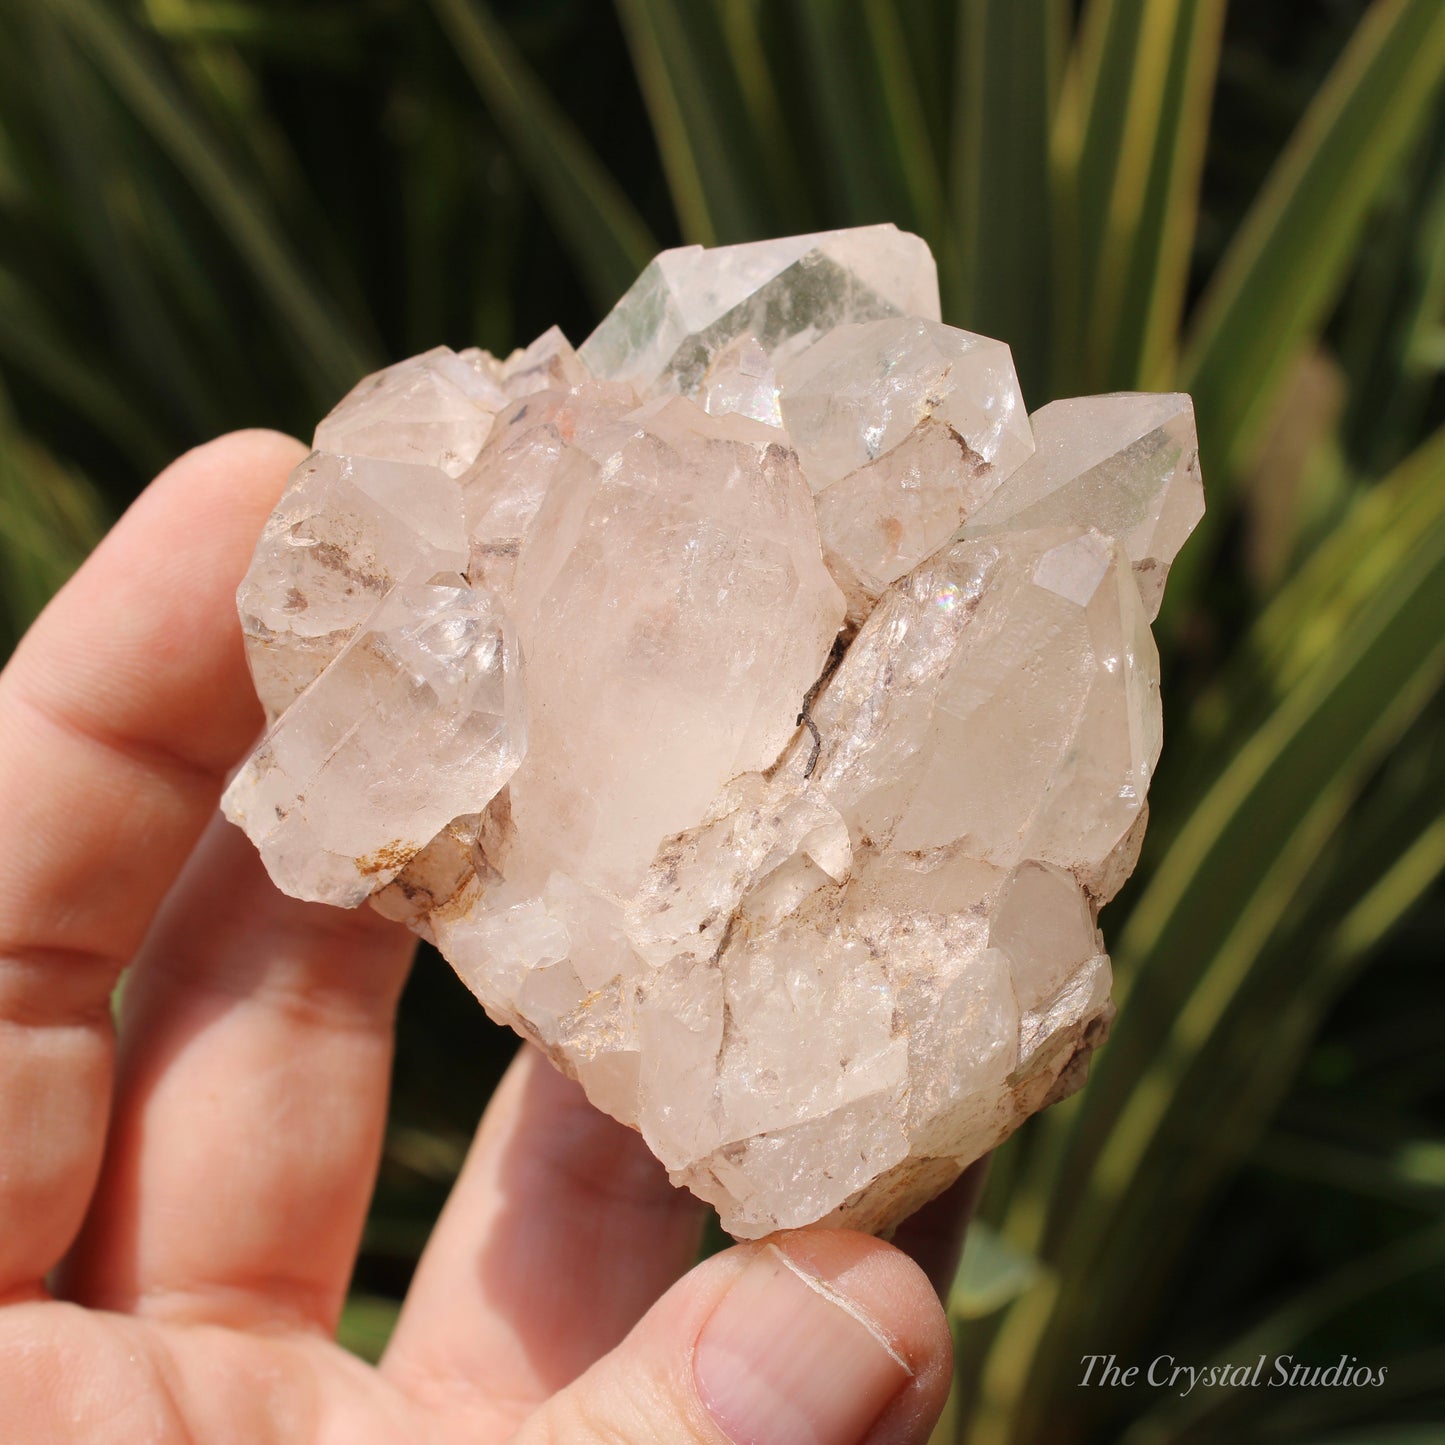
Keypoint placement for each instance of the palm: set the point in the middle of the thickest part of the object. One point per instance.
(236, 1364)
(182, 1208)
(141, 1382)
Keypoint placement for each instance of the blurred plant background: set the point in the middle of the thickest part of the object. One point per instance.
(218, 213)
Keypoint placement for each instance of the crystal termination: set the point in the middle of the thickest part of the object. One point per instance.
(755, 705)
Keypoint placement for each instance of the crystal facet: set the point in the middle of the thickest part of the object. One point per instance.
(690, 303)
(1126, 463)
(752, 705)
(419, 714)
(904, 427)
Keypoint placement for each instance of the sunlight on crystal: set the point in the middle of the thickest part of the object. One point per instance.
(552, 653)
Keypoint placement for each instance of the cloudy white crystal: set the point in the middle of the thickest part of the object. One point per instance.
(688, 674)
(554, 649)
(904, 427)
(418, 715)
(432, 411)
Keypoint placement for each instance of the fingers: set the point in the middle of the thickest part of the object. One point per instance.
(561, 1231)
(250, 1103)
(816, 1338)
(119, 716)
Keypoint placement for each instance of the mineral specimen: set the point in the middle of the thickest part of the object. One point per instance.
(756, 706)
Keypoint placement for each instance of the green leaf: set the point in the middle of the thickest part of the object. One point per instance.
(1304, 623)
(1361, 1279)
(30, 343)
(1222, 1102)
(1229, 875)
(366, 1324)
(1392, 854)
(906, 120)
(1148, 248)
(98, 174)
(1397, 297)
(990, 1274)
(335, 351)
(608, 240)
(1129, 151)
(870, 127)
(1285, 267)
(1008, 56)
(741, 25)
(727, 179)
(1380, 1435)
(50, 518)
(315, 30)
(1380, 908)
(1413, 1177)
(223, 80)
(1191, 952)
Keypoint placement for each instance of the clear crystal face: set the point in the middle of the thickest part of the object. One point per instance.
(690, 303)
(753, 705)
(1126, 463)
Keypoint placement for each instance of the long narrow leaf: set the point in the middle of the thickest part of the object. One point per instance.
(335, 350)
(1122, 119)
(1280, 1332)
(1128, 152)
(608, 240)
(31, 346)
(1219, 1102)
(999, 187)
(1214, 906)
(86, 131)
(1303, 624)
(907, 122)
(1086, 140)
(718, 165)
(1223, 891)
(1398, 295)
(50, 518)
(1144, 265)
(1324, 730)
(864, 139)
(1285, 268)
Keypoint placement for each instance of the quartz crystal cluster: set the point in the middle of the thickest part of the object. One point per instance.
(755, 705)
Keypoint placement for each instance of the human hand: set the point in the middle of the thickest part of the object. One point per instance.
(182, 1209)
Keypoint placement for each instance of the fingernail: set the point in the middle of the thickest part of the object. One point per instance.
(786, 1359)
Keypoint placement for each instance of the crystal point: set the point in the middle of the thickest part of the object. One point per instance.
(1126, 464)
(755, 706)
(690, 303)
(434, 410)
(417, 720)
(904, 428)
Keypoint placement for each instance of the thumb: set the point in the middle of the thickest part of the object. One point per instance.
(815, 1337)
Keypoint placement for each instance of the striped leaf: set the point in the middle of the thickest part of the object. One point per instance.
(1284, 270)
(608, 240)
(728, 180)
(336, 349)
(1128, 153)
(1008, 58)
(1213, 909)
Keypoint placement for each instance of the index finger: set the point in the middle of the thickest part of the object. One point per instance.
(120, 714)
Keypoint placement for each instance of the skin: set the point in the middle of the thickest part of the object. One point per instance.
(182, 1195)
